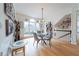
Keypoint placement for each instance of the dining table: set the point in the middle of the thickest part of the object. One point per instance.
(42, 35)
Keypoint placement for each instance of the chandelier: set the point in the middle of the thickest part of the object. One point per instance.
(42, 18)
(42, 21)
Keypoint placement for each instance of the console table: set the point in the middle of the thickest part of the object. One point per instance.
(18, 46)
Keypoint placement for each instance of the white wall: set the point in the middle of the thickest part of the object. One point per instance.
(4, 40)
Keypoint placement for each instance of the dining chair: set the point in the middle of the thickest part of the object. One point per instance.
(36, 38)
(48, 37)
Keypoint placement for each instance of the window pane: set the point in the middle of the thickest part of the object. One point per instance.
(26, 28)
(30, 27)
(37, 26)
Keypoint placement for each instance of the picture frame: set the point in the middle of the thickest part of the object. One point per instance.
(9, 11)
(9, 27)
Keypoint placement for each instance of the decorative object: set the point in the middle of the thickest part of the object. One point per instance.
(9, 10)
(10, 13)
(17, 30)
(9, 27)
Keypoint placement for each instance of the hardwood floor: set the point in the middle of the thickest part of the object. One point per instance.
(60, 47)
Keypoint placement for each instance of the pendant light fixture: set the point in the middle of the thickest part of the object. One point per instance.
(41, 21)
(42, 13)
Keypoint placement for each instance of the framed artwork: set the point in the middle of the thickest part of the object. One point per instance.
(9, 27)
(9, 11)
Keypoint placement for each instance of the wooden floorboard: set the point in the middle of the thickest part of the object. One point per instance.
(60, 47)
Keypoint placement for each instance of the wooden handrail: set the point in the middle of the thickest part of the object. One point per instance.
(63, 30)
(65, 35)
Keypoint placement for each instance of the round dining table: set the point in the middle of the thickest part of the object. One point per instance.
(42, 35)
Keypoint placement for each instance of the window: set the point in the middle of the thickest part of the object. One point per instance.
(31, 26)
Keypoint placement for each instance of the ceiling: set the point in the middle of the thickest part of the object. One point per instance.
(52, 11)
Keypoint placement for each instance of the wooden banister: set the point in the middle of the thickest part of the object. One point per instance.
(63, 30)
(65, 35)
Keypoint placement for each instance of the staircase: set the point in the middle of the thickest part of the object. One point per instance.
(63, 26)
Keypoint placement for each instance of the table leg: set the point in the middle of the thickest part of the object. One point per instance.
(12, 53)
(24, 50)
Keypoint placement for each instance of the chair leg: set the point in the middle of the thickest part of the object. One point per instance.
(33, 42)
(12, 53)
(44, 42)
(37, 43)
(50, 43)
(24, 50)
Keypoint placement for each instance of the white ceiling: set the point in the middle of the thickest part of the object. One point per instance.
(52, 11)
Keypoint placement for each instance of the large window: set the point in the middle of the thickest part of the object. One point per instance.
(31, 26)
